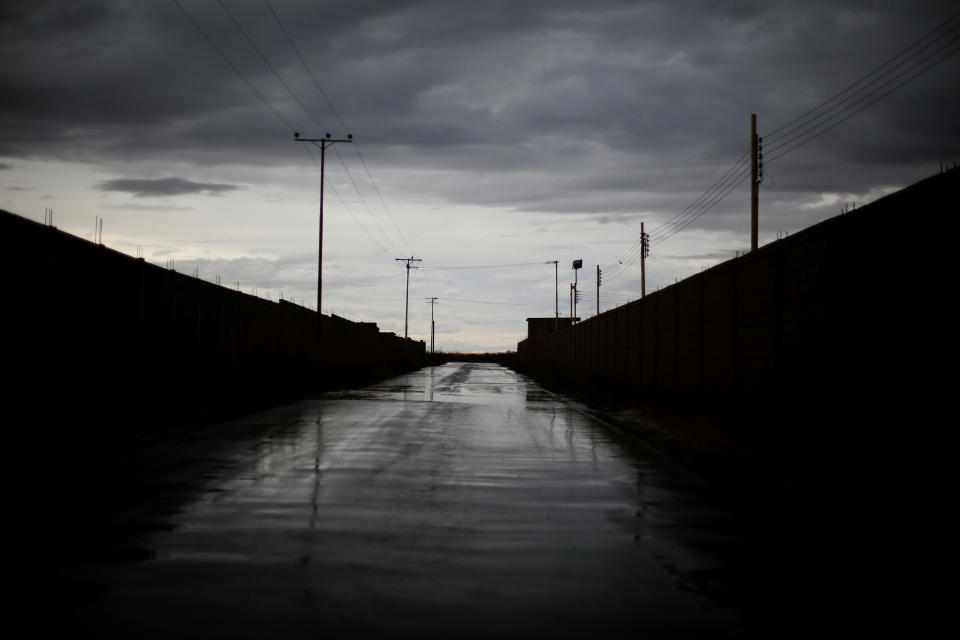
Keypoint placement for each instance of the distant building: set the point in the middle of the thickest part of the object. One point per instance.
(540, 326)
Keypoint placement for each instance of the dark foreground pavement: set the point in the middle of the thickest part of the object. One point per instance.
(459, 500)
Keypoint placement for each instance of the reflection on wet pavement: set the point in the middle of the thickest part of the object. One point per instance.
(459, 499)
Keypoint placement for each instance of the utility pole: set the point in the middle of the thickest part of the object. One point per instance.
(577, 264)
(406, 309)
(598, 289)
(556, 293)
(431, 301)
(756, 175)
(323, 143)
(571, 302)
(644, 252)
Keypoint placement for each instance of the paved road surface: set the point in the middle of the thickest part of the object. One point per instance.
(460, 500)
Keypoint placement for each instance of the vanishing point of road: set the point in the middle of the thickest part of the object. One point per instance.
(460, 500)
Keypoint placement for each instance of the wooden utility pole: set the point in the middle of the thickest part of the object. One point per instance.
(577, 265)
(556, 293)
(598, 289)
(406, 308)
(754, 183)
(431, 301)
(323, 143)
(644, 250)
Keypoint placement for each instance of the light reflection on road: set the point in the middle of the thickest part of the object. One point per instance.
(461, 499)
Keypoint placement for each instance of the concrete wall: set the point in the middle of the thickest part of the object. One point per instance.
(821, 319)
(91, 331)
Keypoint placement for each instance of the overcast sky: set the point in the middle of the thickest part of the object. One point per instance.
(487, 133)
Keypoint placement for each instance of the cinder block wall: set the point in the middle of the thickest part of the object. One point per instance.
(819, 321)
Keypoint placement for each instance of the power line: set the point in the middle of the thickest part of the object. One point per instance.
(291, 127)
(732, 178)
(775, 134)
(380, 195)
(416, 281)
(300, 102)
(333, 110)
(364, 202)
(306, 68)
(511, 304)
(804, 128)
(344, 203)
(354, 299)
(267, 62)
(719, 185)
(486, 266)
(828, 125)
(682, 219)
(733, 183)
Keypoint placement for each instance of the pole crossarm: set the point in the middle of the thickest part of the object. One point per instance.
(326, 142)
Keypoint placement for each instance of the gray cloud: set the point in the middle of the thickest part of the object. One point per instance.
(144, 187)
(428, 76)
(144, 207)
(623, 110)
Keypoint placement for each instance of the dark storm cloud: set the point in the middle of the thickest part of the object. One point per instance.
(163, 187)
(547, 106)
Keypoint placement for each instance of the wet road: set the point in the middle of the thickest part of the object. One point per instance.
(460, 500)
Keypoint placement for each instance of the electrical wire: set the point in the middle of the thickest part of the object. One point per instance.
(677, 219)
(727, 183)
(289, 125)
(356, 147)
(250, 41)
(788, 127)
(306, 68)
(707, 200)
(364, 202)
(805, 128)
(486, 266)
(733, 183)
(703, 203)
(416, 281)
(300, 102)
(491, 302)
(837, 120)
(356, 144)
(344, 203)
